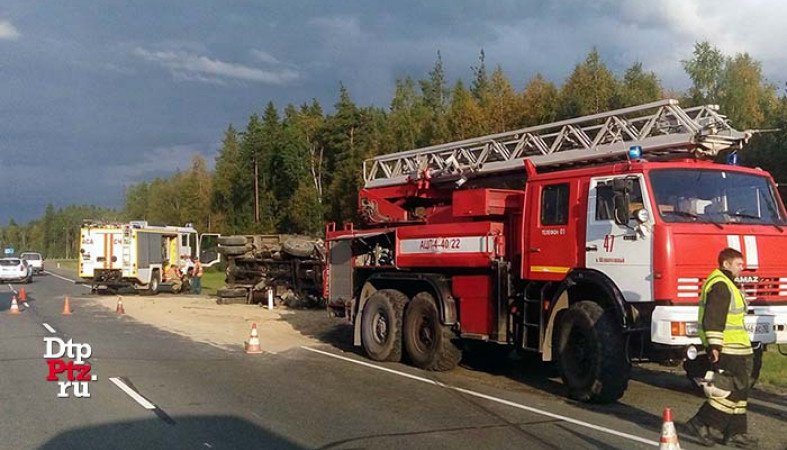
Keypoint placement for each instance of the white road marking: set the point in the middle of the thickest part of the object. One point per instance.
(49, 328)
(492, 399)
(65, 279)
(132, 393)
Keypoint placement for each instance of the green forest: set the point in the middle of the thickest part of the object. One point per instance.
(290, 170)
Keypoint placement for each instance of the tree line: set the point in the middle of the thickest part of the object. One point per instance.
(293, 169)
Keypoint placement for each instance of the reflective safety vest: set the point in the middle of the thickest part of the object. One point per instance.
(734, 340)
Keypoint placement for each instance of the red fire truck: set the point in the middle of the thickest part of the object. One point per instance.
(585, 240)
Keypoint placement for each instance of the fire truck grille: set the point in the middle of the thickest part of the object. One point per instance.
(754, 288)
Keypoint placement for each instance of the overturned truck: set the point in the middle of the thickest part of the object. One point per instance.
(291, 266)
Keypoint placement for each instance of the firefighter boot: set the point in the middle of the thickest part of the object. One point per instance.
(744, 440)
(701, 431)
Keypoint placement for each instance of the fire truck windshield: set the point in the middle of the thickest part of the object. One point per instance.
(715, 196)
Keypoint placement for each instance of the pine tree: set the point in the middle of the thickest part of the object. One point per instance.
(590, 89)
(465, 117)
(231, 193)
(480, 78)
(436, 97)
(639, 86)
(539, 102)
(501, 105)
(408, 117)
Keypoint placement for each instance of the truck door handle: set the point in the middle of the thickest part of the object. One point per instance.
(591, 248)
(534, 250)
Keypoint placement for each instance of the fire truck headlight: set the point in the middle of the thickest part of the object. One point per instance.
(692, 352)
(692, 329)
(642, 215)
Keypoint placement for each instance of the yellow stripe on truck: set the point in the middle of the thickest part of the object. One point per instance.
(549, 269)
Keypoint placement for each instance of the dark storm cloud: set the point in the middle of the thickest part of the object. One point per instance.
(99, 96)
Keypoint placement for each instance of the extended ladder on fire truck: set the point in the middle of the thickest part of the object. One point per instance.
(659, 128)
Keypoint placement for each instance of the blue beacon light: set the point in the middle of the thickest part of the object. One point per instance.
(635, 152)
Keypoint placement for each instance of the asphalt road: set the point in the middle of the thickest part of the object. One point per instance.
(192, 395)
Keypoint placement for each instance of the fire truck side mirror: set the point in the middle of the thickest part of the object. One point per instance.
(621, 187)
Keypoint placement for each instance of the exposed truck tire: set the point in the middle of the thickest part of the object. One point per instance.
(232, 292)
(591, 354)
(381, 325)
(232, 240)
(231, 300)
(300, 247)
(231, 250)
(429, 344)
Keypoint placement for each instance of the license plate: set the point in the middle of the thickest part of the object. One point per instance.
(759, 328)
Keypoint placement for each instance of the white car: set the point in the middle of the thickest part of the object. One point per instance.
(15, 269)
(34, 260)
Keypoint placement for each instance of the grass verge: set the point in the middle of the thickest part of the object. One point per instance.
(774, 368)
(211, 281)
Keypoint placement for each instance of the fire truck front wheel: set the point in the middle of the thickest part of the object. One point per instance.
(591, 354)
(429, 343)
(381, 325)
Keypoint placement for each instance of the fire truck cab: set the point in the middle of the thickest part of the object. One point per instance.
(586, 240)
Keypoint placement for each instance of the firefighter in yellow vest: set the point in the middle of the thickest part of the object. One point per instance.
(721, 329)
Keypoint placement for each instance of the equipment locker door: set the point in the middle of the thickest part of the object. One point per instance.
(622, 252)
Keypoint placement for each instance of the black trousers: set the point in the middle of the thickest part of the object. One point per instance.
(728, 415)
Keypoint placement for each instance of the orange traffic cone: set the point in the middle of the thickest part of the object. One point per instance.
(120, 309)
(669, 437)
(14, 306)
(22, 295)
(66, 306)
(253, 344)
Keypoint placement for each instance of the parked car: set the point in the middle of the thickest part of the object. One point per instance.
(34, 260)
(15, 269)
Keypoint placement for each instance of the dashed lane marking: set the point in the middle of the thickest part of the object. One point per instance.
(491, 398)
(49, 327)
(133, 394)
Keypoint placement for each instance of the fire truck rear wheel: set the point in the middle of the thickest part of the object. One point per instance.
(381, 325)
(232, 240)
(591, 354)
(155, 279)
(429, 344)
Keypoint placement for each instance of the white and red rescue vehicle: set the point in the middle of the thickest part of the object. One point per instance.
(137, 254)
(586, 240)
